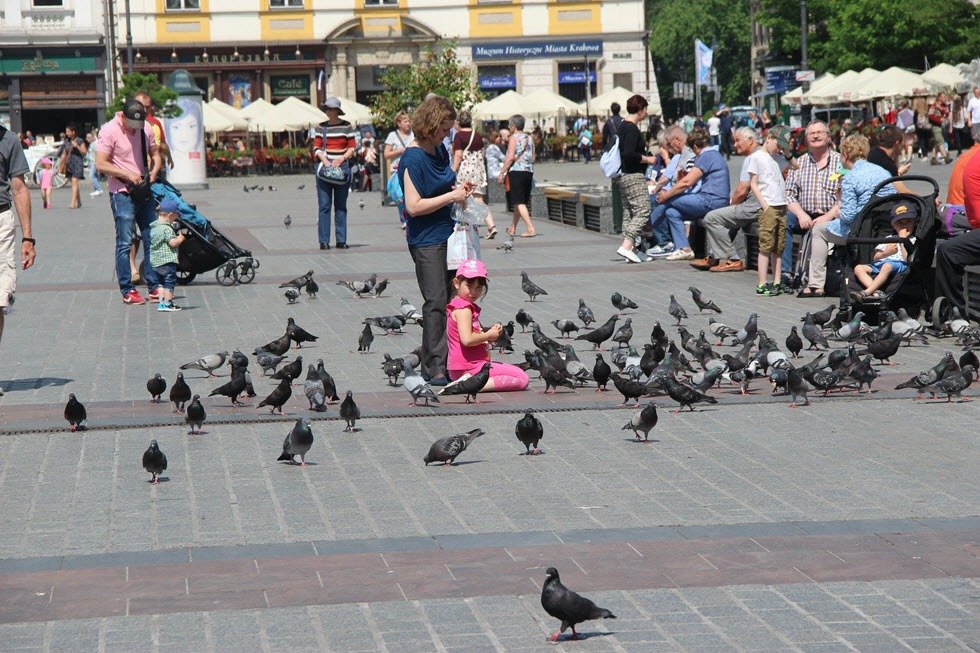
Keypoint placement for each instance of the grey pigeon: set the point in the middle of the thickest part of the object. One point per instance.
(180, 393)
(794, 343)
(301, 187)
(797, 387)
(291, 295)
(685, 395)
(277, 347)
(392, 367)
(675, 309)
(349, 412)
(287, 221)
(629, 388)
(749, 331)
(417, 386)
(821, 318)
(388, 323)
(813, 333)
(380, 288)
(554, 377)
(329, 387)
(298, 334)
(883, 350)
(643, 420)
(600, 334)
(953, 385)
(585, 313)
(702, 303)
(278, 397)
(567, 606)
(658, 336)
(268, 361)
(234, 387)
(195, 415)
(507, 245)
(298, 282)
(208, 363)
(311, 288)
(542, 341)
(721, 331)
(445, 450)
(624, 333)
(530, 288)
(359, 287)
(565, 327)
(969, 357)
(290, 371)
(469, 385)
(850, 330)
(622, 303)
(239, 359)
(156, 387)
(313, 389)
(75, 414)
(524, 319)
(601, 373)
(154, 461)
(298, 442)
(529, 431)
(365, 340)
(864, 373)
(409, 312)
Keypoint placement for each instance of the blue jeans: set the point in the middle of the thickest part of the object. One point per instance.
(326, 195)
(128, 214)
(792, 226)
(678, 209)
(661, 231)
(168, 275)
(94, 174)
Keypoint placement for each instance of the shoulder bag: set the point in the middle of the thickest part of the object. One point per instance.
(141, 192)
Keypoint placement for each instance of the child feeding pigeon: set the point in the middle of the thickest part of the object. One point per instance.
(468, 342)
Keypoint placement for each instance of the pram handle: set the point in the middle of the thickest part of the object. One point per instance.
(904, 178)
(879, 241)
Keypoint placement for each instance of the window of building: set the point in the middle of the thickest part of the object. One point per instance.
(494, 80)
(571, 80)
(494, 2)
(177, 5)
(49, 3)
(380, 3)
(279, 4)
(623, 80)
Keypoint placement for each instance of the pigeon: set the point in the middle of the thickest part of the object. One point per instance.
(75, 414)
(813, 333)
(629, 388)
(239, 359)
(685, 395)
(953, 385)
(509, 329)
(298, 334)
(195, 415)
(643, 420)
(301, 187)
(445, 450)
(278, 397)
(585, 313)
(313, 389)
(794, 343)
(567, 606)
(329, 387)
(311, 288)
(388, 323)
(621, 302)
(208, 363)
(703, 304)
(863, 372)
(624, 333)
(272, 188)
(883, 350)
(797, 387)
(234, 387)
(277, 347)
(298, 282)
(503, 343)
(554, 377)
(575, 367)
(850, 330)
(743, 377)
(416, 385)
(524, 319)
(600, 334)
(821, 318)
(291, 371)
(507, 245)
(934, 374)
(530, 288)
(268, 361)
(380, 288)
(349, 412)
(254, 187)
(469, 385)
(601, 373)
(956, 325)
(298, 442)
(565, 327)
(360, 204)
(970, 358)
(749, 332)
(704, 382)
(676, 310)
(529, 431)
(365, 340)
(180, 393)
(156, 387)
(287, 221)
(154, 461)
(291, 295)
(721, 331)
(409, 312)
(360, 287)
(392, 367)
(245, 188)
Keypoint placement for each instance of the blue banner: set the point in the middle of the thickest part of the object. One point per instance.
(705, 55)
(575, 77)
(500, 81)
(511, 50)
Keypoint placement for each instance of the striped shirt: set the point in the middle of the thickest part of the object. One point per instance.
(811, 186)
(334, 140)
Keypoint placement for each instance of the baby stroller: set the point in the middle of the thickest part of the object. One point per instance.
(206, 248)
(912, 290)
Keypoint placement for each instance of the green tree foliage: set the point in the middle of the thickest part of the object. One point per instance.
(133, 83)
(855, 34)
(674, 24)
(438, 71)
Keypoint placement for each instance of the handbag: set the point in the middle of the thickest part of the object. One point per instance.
(335, 175)
(141, 192)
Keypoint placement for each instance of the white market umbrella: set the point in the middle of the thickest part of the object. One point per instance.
(255, 110)
(892, 82)
(294, 115)
(599, 105)
(827, 93)
(214, 120)
(355, 113)
(549, 103)
(944, 76)
(503, 106)
(796, 95)
(229, 112)
(848, 93)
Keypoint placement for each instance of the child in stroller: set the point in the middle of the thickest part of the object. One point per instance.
(889, 258)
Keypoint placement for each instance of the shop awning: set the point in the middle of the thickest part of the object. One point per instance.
(892, 82)
(796, 95)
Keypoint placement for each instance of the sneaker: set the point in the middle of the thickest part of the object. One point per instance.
(775, 290)
(168, 308)
(762, 289)
(95, 193)
(782, 288)
(133, 297)
(681, 255)
(629, 255)
(642, 256)
(729, 266)
(658, 251)
(438, 381)
(154, 295)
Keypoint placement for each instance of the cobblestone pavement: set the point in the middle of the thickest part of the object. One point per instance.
(846, 525)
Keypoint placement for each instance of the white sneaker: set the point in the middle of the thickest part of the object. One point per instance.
(642, 255)
(629, 255)
(95, 193)
(659, 251)
(680, 255)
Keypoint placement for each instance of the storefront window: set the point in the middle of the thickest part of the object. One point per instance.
(176, 5)
(494, 80)
(571, 80)
(48, 3)
(278, 4)
(378, 3)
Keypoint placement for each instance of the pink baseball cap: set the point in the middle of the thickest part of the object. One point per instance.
(472, 269)
(47, 161)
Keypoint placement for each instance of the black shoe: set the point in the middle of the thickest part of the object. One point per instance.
(324, 246)
(343, 246)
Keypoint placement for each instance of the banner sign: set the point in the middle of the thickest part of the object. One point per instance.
(498, 81)
(511, 50)
(575, 77)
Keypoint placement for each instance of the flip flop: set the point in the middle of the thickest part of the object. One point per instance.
(809, 293)
(491, 234)
(528, 235)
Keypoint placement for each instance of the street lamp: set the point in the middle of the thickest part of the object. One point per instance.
(129, 41)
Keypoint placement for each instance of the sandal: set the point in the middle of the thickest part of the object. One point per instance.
(810, 293)
(492, 233)
(528, 235)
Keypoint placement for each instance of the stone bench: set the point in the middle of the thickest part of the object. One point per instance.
(585, 207)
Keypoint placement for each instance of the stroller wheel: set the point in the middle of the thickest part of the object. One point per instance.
(942, 311)
(246, 271)
(184, 278)
(227, 274)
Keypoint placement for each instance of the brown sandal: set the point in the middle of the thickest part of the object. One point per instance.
(810, 293)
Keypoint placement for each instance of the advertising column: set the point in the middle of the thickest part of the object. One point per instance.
(185, 134)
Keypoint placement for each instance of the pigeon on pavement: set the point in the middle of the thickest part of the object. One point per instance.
(675, 309)
(75, 414)
(524, 319)
(703, 304)
(313, 389)
(624, 333)
(643, 420)
(749, 332)
(821, 318)
(883, 350)
(277, 347)
(934, 374)
(851, 330)
(507, 245)
(720, 330)
(298, 282)
(530, 288)
(529, 431)
(565, 327)
(291, 295)
(360, 287)
(290, 371)
(180, 393)
(629, 388)
(287, 221)
(195, 415)
(622, 303)
(585, 313)
(797, 387)
(685, 395)
(600, 334)
(392, 367)
(953, 385)
(234, 387)
(268, 361)
(416, 385)
(445, 450)
(156, 387)
(365, 340)
(380, 288)
(794, 343)
(601, 373)
(278, 397)
(208, 363)
(329, 387)
(813, 333)
(298, 442)
(567, 606)
(469, 385)
(154, 461)
(298, 334)
(409, 312)
(349, 412)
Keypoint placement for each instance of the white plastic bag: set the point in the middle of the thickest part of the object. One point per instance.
(463, 244)
(471, 213)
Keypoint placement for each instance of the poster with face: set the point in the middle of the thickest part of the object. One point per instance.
(185, 136)
(240, 91)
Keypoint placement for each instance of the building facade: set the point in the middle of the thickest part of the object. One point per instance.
(52, 64)
(241, 50)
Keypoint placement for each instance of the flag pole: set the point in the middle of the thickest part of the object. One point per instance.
(697, 81)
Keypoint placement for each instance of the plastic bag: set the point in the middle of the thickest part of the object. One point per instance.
(463, 244)
(394, 188)
(471, 213)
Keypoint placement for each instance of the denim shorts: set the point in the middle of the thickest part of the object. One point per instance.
(898, 267)
(168, 275)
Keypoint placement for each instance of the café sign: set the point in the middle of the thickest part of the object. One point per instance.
(41, 65)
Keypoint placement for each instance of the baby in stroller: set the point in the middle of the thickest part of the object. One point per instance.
(890, 259)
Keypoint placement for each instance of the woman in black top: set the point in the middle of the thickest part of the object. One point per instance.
(632, 182)
(886, 150)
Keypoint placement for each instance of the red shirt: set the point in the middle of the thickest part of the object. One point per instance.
(157, 128)
(334, 140)
(955, 193)
(971, 191)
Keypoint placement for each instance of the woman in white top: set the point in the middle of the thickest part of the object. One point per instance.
(395, 145)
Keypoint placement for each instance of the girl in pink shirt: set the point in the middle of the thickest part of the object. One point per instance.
(47, 181)
(468, 342)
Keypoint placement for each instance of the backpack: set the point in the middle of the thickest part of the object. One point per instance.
(611, 162)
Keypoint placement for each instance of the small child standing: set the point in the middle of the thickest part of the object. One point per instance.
(164, 242)
(769, 188)
(889, 258)
(468, 349)
(47, 181)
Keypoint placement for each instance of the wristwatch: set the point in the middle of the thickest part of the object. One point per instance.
(28, 240)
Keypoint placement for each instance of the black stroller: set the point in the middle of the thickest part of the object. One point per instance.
(206, 248)
(913, 290)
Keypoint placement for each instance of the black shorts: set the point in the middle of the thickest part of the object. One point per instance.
(520, 186)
